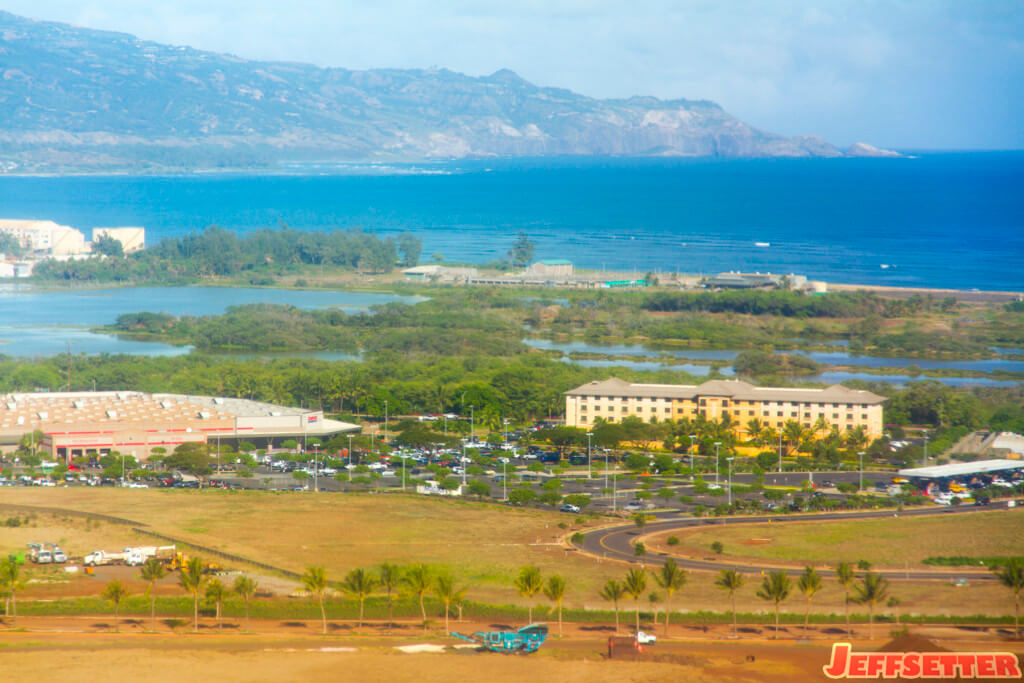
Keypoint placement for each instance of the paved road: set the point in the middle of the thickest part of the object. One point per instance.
(617, 542)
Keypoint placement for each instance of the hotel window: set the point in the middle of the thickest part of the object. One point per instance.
(751, 412)
(725, 403)
(625, 409)
(807, 415)
(864, 416)
(849, 416)
(668, 410)
(835, 416)
(780, 413)
(703, 402)
(793, 414)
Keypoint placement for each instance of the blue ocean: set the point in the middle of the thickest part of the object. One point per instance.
(949, 220)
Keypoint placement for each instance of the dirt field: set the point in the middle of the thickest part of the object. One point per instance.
(76, 649)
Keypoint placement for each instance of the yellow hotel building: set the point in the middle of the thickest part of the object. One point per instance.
(614, 399)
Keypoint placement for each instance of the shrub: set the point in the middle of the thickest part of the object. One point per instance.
(673, 540)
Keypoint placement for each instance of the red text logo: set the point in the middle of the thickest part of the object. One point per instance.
(846, 663)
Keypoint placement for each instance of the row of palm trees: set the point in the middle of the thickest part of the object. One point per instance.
(418, 579)
(775, 588)
(870, 589)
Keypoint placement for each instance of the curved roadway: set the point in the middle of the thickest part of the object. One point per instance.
(617, 542)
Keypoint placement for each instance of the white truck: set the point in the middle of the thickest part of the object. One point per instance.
(101, 557)
(138, 555)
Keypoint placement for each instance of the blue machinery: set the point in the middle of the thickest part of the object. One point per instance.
(523, 641)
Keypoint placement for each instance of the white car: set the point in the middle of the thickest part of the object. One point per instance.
(646, 638)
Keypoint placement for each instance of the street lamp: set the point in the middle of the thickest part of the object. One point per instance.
(504, 480)
(717, 444)
(385, 422)
(472, 424)
(463, 463)
(615, 478)
(780, 450)
(861, 484)
(589, 474)
(693, 446)
(349, 448)
(316, 470)
(925, 462)
(504, 422)
(730, 479)
(606, 468)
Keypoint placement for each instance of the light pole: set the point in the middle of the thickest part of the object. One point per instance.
(717, 444)
(606, 468)
(316, 470)
(615, 478)
(860, 486)
(730, 479)
(445, 418)
(693, 447)
(504, 422)
(925, 461)
(780, 451)
(349, 448)
(589, 473)
(385, 422)
(403, 473)
(472, 424)
(463, 463)
(504, 480)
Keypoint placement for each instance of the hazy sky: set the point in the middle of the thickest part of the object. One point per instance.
(905, 74)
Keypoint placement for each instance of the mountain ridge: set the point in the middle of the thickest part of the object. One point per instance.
(84, 99)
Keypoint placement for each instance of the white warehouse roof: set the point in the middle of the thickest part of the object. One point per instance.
(962, 469)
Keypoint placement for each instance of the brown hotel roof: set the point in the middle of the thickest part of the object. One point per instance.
(733, 389)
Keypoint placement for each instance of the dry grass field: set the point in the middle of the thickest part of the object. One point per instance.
(895, 542)
(482, 545)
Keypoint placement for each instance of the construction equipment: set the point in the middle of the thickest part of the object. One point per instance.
(524, 641)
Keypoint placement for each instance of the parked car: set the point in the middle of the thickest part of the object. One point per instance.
(646, 638)
(569, 508)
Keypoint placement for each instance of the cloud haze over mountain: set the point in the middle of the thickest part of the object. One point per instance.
(938, 74)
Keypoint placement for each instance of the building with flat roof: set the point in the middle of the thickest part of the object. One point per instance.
(98, 422)
(132, 239)
(614, 399)
(46, 236)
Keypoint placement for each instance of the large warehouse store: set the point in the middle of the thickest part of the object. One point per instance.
(132, 422)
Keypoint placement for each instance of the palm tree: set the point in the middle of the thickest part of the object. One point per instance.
(361, 584)
(730, 580)
(245, 588)
(390, 576)
(555, 592)
(613, 592)
(529, 583)
(448, 594)
(115, 591)
(873, 590)
(417, 577)
(820, 425)
(755, 428)
(191, 578)
(793, 432)
(152, 571)
(775, 588)
(1011, 575)
(216, 592)
(315, 582)
(845, 577)
(809, 583)
(12, 581)
(635, 584)
(671, 578)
